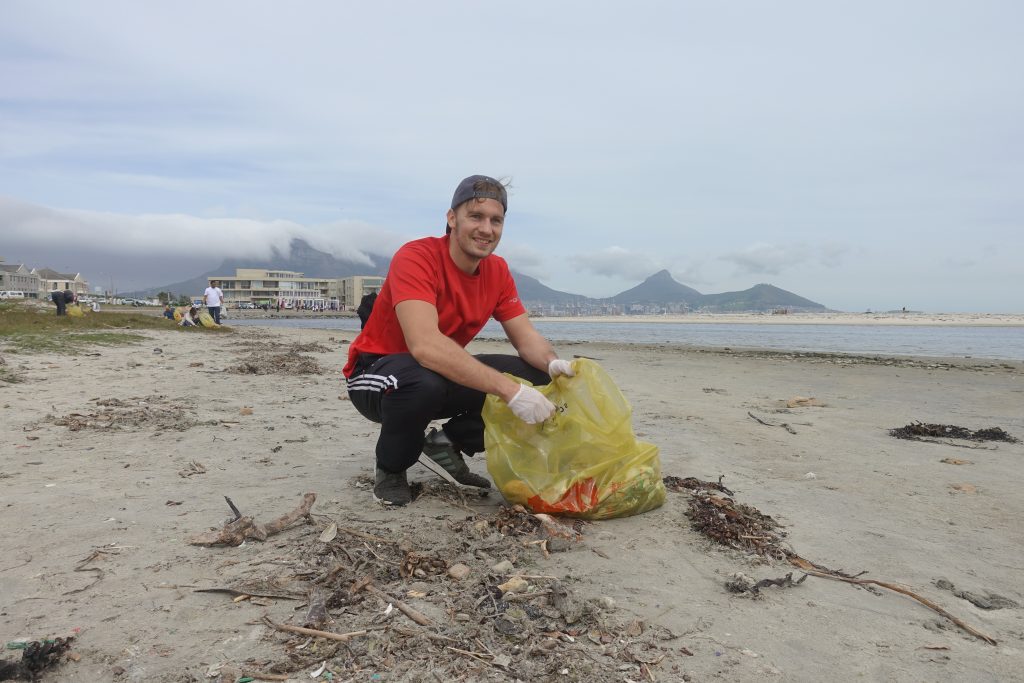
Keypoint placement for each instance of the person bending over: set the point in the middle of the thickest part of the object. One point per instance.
(409, 365)
(190, 318)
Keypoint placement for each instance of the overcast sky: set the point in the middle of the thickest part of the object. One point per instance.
(865, 155)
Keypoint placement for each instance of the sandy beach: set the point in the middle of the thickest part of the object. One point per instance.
(115, 457)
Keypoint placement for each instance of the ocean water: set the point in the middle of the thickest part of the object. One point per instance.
(950, 341)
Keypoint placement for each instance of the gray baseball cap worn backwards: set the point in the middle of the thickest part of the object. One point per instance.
(466, 191)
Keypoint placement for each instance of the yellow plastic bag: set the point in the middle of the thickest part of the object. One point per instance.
(75, 311)
(206, 320)
(584, 461)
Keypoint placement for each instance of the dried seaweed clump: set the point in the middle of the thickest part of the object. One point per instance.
(290, 363)
(916, 431)
(35, 657)
(143, 412)
(714, 514)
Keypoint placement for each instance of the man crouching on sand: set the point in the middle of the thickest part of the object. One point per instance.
(409, 364)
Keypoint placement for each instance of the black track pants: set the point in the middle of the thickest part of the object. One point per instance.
(403, 396)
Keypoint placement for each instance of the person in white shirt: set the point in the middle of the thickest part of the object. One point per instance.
(213, 297)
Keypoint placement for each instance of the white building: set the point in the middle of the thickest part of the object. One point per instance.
(15, 277)
(52, 281)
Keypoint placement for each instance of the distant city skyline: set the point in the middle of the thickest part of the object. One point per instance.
(865, 156)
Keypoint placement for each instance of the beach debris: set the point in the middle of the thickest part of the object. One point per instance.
(814, 570)
(938, 433)
(290, 363)
(402, 616)
(194, 467)
(277, 588)
(743, 527)
(784, 425)
(140, 412)
(516, 584)
(732, 524)
(986, 601)
(956, 461)
(297, 347)
(741, 583)
(330, 533)
(964, 488)
(690, 484)
(236, 531)
(341, 637)
(804, 402)
(459, 571)
(36, 656)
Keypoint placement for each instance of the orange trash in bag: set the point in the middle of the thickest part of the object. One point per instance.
(584, 461)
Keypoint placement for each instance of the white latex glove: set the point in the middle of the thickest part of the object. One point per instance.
(530, 406)
(560, 367)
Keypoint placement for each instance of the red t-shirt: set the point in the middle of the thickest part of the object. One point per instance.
(423, 270)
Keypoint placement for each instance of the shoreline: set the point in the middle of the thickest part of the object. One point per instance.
(829, 318)
(908, 319)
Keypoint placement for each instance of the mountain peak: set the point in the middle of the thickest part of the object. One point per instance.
(661, 276)
(659, 288)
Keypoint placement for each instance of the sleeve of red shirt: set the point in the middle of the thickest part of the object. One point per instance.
(411, 276)
(509, 306)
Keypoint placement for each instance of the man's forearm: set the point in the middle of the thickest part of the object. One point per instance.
(537, 351)
(448, 359)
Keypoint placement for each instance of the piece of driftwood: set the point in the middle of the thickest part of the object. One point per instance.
(341, 637)
(812, 569)
(236, 531)
(416, 616)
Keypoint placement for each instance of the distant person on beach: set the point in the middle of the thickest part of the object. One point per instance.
(212, 298)
(168, 312)
(409, 365)
(365, 307)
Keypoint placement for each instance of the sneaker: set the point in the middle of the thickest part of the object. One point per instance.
(391, 489)
(439, 448)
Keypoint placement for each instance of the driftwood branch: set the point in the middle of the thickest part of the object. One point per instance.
(238, 530)
(812, 569)
(416, 616)
(341, 637)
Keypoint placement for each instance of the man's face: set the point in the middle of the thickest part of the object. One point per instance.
(476, 230)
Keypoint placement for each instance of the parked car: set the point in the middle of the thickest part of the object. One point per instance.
(12, 295)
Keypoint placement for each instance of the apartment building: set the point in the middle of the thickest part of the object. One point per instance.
(52, 281)
(294, 290)
(259, 286)
(15, 277)
(349, 291)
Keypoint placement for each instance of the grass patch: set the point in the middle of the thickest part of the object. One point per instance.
(28, 327)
